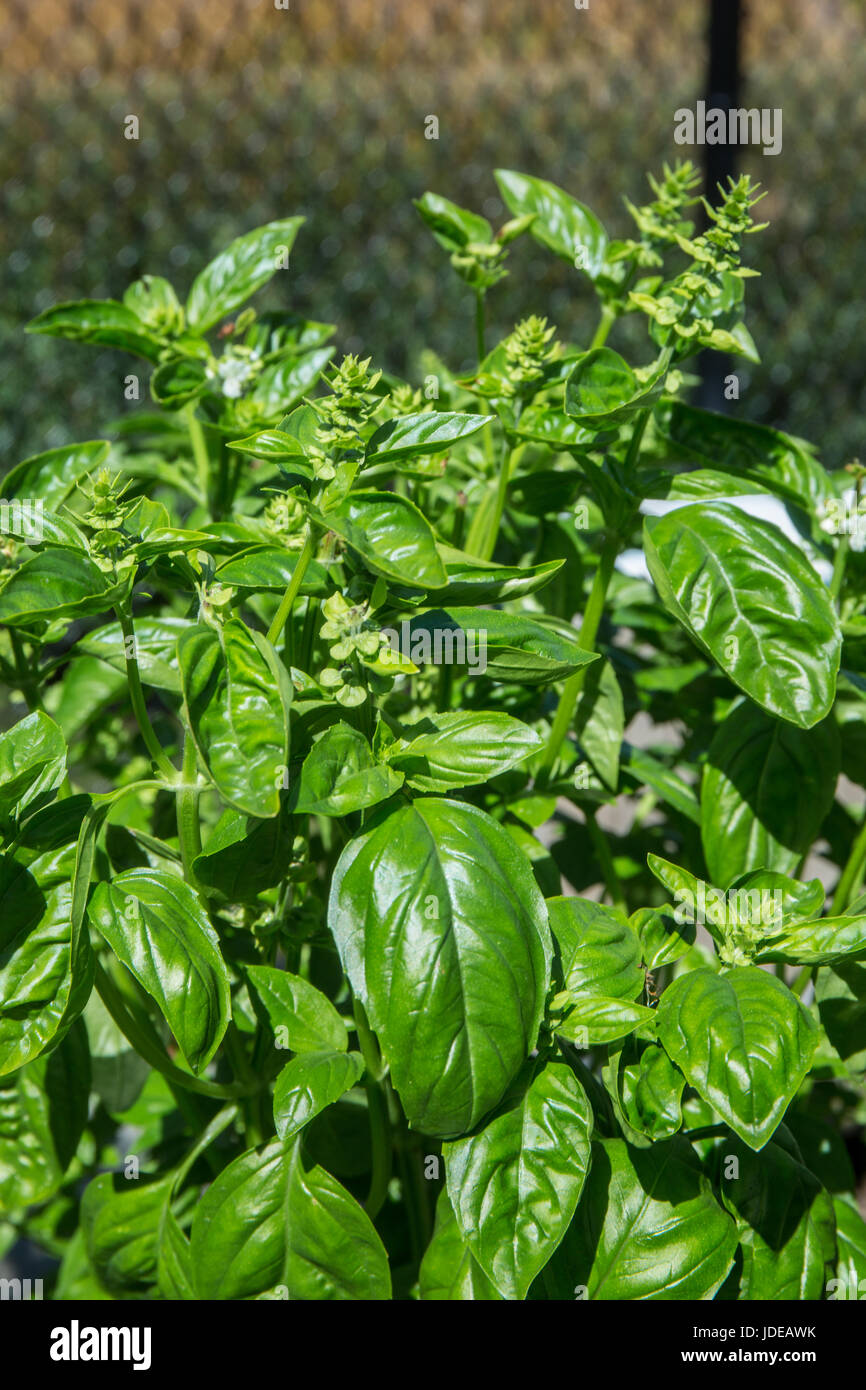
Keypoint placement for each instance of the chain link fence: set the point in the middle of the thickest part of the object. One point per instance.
(248, 112)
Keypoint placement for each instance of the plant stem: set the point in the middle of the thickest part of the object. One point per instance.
(294, 585)
(636, 437)
(29, 686)
(199, 452)
(586, 638)
(605, 323)
(839, 567)
(849, 883)
(380, 1144)
(488, 545)
(136, 695)
(605, 859)
(480, 326)
(148, 1046)
(188, 823)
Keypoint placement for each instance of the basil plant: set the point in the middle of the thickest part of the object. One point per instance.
(420, 798)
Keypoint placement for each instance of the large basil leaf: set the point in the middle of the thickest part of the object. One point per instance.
(271, 567)
(156, 926)
(449, 1271)
(431, 432)
(458, 749)
(646, 1089)
(391, 536)
(648, 1227)
(443, 935)
(236, 273)
(514, 1186)
(310, 1083)
(302, 1018)
(503, 646)
(270, 1221)
(52, 475)
(597, 1018)
(766, 789)
(121, 1220)
(743, 1041)
(237, 695)
(562, 224)
(823, 942)
(600, 722)
(244, 856)
(53, 584)
(43, 1111)
(765, 458)
(785, 1222)
(750, 600)
(32, 764)
(472, 581)
(103, 322)
(340, 775)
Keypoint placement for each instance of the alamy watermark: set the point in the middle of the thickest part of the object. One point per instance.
(437, 646)
(738, 907)
(23, 517)
(737, 126)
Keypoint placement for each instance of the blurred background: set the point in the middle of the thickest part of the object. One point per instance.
(250, 112)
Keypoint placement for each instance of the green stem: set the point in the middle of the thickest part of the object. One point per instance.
(380, 1144)
(839, 567)
(188, 823)
(488, 545)
(637, 435)
(849, 883)
(586, 639)
(295, 583)
(29, 686)
(605, 859)
(605, 323)
(480, 326)
(802, 980)
(136, 695)
(148, 1046)
(199, 451)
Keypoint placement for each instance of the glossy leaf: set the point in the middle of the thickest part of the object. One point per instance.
(432, 432)
(538, 1143)
(269, 1221)
(767, 787)
(743, 1041)
(449, 1271)
(751, 601)
(451, 966)
(599, 953)
(155, 925)
(237, 695)
(309, 1083)
(340, 775)
(102, 322)
(53, 584)
(43, 1111)
(602, 389)
(391, 536)
(561, 223)
(32, 764)
(240, 270)
(302, 1018)
(446, 751)
(503, 646)
(53, 474)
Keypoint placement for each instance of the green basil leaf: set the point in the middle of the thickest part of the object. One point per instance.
(449, 1271)
(647, 1091)
(156, 926)
(52, 475)
(103, 322)
(648, 1227)
(785, 1221)
(244, 856)
(648, 771)
(237, 696)
(175, 1272)
(53, 584)
(750, 600)
(43, 1111)
(562, 224)
(594, 1019)
(470, 582)
(155, 649)
(840, 993)
(271, 568)
(598, 951)
(236, 273)
(766, 789)
(309, 1083)
(663, 939)
(850, 1280)
(452, 226)
(178, 381)
(599, 723)
(823, 942)
(281, 385)
(118, 1073)
(603, 389)
(121, 1222)
(270, 1221)
(275, 446)
(459, 749)
(302, 1018)
(743, 1041)
(32, 765)
(391, 536)
(340, 775)
(502, 646)
(538, 1141)
(430, 432)
(451, 967)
